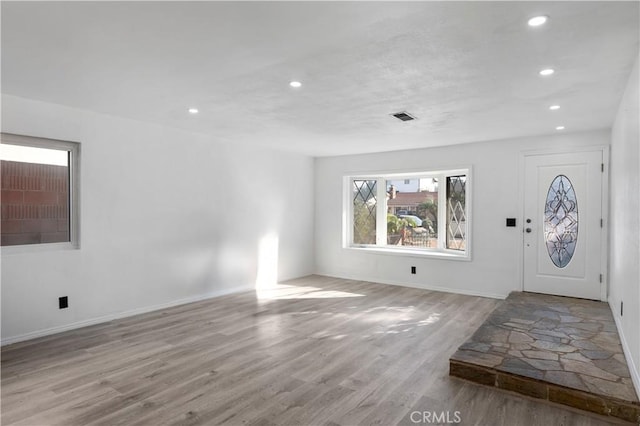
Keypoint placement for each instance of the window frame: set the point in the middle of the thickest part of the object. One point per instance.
(73, 148)
(381, 246)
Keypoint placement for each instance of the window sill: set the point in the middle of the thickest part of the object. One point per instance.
(408, 252)
(36, 248)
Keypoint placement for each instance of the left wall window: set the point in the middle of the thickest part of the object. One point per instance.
(39, 197)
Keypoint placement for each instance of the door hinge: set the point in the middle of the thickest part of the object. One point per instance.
(600, 278)
(601, 223)
(602, 167)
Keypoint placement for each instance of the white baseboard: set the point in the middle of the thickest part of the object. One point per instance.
(633, 368)
(420, 286)
(92, 321)
(118, 315)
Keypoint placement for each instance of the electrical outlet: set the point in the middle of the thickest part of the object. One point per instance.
(63, 302)
(413, 270)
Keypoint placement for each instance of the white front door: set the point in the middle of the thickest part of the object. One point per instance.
(563, 224)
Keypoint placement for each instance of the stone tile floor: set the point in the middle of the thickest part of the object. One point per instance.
(572, 343)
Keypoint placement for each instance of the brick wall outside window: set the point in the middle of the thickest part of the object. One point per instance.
(35, 203)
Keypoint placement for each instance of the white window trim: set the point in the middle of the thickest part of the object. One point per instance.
(381, 213)
(74, 191)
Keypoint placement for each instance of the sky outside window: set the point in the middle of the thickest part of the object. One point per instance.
(28, 154)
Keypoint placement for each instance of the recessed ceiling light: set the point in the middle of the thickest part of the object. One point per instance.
(547, 71)
(554, 107)
(295, 84)
(536, 21)
(560, 128)
(193, 110)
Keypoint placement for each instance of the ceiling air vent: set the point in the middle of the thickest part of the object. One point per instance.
(404, 116)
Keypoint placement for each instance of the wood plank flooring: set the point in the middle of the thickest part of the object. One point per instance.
(313, 351)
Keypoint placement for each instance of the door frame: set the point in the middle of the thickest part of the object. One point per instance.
(604, 254)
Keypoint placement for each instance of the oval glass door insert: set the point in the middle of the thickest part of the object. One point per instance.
(561, 221)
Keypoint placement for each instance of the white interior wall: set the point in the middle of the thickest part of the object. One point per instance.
(624, 255)
(495, 268)
(166, 217)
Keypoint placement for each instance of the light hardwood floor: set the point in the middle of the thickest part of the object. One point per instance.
(315, 350)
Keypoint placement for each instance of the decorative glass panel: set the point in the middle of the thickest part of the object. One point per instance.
(364, 211)
(561, 221)
(456, 213)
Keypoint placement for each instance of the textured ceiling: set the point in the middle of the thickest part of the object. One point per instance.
(467, 70)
